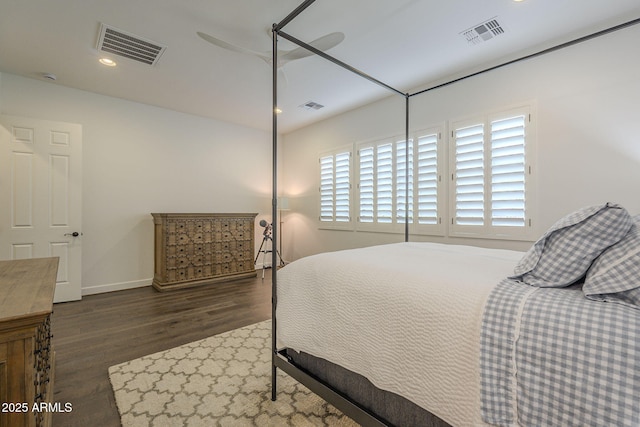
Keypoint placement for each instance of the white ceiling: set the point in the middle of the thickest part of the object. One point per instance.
(407, 44)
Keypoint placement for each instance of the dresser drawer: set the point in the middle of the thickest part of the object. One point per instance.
(197, 249)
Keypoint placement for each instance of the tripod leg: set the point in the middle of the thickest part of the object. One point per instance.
(264, 267)
(259, 250)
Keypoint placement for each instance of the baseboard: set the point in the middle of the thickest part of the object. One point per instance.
(111, 287)
(268, 264)
(259, 265)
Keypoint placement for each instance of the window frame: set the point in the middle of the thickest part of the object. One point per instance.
(439, 228)
(446, 171)
(374, 225)
(334, 223)
(397, 223)
(487, 230)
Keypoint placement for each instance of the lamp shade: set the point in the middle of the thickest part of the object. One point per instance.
(283, 203)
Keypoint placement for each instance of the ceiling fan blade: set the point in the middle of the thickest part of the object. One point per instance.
(225, 45)
(282, 79)
(323, 43)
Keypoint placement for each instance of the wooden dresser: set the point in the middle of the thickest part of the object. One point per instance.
(26, 354)
(202, 248)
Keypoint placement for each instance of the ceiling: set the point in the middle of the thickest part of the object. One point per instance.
(407, 44)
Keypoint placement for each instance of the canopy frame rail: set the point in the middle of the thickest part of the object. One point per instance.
(534, 55)
(338, 62)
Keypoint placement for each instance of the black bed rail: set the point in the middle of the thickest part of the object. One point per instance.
(348, 407)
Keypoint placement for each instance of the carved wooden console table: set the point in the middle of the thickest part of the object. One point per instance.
(202, 248)
(26, 353)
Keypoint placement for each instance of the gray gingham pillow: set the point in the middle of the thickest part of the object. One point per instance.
(615, 275)
(565, 252)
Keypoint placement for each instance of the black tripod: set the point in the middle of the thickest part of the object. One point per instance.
(265, 239)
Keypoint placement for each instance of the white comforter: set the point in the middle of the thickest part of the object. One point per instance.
(406, 316)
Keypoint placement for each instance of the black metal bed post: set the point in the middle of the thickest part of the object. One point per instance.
(274, 213)
(274, 196)
(297, 11)
(407, 163)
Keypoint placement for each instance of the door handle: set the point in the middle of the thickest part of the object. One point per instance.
(74, 234)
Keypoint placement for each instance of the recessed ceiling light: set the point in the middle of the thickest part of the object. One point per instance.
(108, 62)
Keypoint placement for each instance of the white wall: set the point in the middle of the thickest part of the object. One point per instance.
(139, 159)
(588, 150)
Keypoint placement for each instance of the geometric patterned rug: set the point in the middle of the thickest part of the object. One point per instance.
(224, 380)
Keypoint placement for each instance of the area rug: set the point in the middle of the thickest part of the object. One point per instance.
(224, 380)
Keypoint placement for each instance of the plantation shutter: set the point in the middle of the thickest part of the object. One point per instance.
(342, 187)
(508, 172)
(427, 179)
(326, 188)
(366, 184)
(335, 187)
(469, 175)
(384, 181)
(401, 184)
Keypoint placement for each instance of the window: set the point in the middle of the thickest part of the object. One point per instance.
(428, 188)
(488, 160)
(365, 186)
(490, 175)
(382, 184)
(379, 179)
(469, 175)
(401, 181)
(335, 188)
(508, 174)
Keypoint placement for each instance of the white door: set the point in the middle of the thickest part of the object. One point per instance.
(40, 196)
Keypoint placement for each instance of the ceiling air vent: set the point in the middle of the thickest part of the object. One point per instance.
(128, 45)
(311, 106)
(483, 32)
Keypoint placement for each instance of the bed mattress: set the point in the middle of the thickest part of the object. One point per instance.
(406, 316)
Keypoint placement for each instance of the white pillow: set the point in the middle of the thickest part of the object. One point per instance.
(564, 253)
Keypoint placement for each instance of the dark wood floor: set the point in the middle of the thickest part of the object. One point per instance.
(103, 330)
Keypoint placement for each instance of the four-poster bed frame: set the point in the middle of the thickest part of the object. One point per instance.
(279, 358)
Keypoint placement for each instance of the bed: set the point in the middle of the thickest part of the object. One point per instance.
(434, 334)
(420, 293)
(443, 335)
